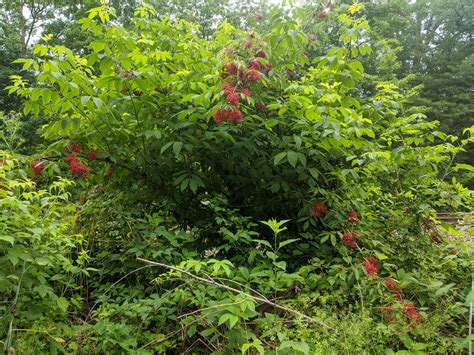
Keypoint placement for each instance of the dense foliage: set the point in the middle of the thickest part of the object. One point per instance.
(242, 191)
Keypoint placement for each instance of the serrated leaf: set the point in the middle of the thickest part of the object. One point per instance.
(278, 158)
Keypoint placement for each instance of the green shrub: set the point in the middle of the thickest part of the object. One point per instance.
(286, 207)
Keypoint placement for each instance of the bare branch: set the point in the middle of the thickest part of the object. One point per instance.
(234, 290)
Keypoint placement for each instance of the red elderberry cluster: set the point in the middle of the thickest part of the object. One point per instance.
(246, 92)
(254, 75)
(229, 115)
(319, 209)
(38, 167)
(370, 266)
(75, 165)
(412, 314)
(74, 147)
(260, 54)
(352, 217)
(231, 68)
(392, 285)
(255, 65)
(237, 86)
(92, 155)
(349, 240)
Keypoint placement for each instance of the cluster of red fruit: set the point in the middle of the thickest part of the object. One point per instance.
(348, 240)
(38, 167)
(229, 115)
(371, 266)
(237, 87)
(319, 209)
(75, 165)
(408, 309)
(73, 161)
(353, 217)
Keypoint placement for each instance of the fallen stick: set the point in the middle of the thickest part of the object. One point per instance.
(234, 290)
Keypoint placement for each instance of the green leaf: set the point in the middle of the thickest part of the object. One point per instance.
(191, 330)
(233, 319)
(97, 102)
(165, 147)
(449, 228)
(85, 100)
(280, 264)
(464, 167)
(443, 290)
(292, 158)
(63, 304)
(278, 158)
(286, 242)
(177, 146)
(295, 345)
(7, 238)
(470, 298)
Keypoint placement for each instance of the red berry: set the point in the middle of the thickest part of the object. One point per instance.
(219, 116)
(352, 217)
(370, 266)
(38, 167)
(322, 14)
(319, 209)
(233, 98)
(392, 285)
(349, 240)
(231, 68)
(74, 147)
(412, 314)
(92, 155)
(254, 75)
(235, 116)
(259, 17)
(255, 65)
